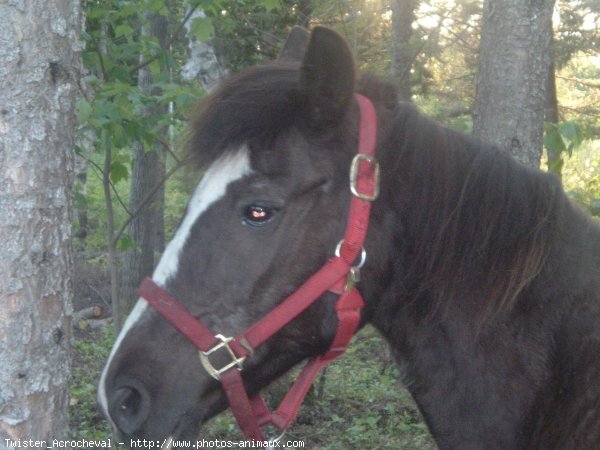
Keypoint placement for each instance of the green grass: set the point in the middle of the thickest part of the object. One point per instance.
(358, 403)
(89, 355)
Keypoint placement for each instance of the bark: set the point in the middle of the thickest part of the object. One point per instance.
(514, 57)
(202, 63)
(81, 209)
(403, 56)
(39, 72)
(147, 227)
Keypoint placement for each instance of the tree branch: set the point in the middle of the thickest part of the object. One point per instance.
(168, 149)
(112, 186)
(578, 81)
(145, 201)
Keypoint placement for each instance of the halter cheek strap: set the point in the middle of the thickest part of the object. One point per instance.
(338, 275)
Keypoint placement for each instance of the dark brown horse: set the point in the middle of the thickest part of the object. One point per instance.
(481, 274)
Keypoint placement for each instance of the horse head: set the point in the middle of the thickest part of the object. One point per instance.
(276, 143)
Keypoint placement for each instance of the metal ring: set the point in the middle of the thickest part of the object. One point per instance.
(272, 442)
(363, 254)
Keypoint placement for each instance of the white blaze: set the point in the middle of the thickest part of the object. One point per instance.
(213, 185)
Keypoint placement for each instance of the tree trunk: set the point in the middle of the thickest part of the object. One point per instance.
(202, 63)
(39, 72)
(147, 227)
(514, 57)
(403, 16)
(81, 167)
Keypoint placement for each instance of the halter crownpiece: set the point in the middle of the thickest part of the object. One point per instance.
(338, 275)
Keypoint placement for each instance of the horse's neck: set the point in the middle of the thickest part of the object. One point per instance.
(481, 388)
(458, 382)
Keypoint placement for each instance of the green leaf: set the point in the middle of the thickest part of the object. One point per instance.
(572, 135)
(556, 165)
(270, 5)
(118, 172)
(80, 200)
(127, 10)
(553, 140)
(125, 242)
(563, 137)
(123, 30)
(96, 13)
(119, 73)
(83, 110)
(202, 28)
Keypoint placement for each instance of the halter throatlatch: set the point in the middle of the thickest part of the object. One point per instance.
(339, 275)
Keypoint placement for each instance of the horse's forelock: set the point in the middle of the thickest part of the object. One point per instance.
(258, 104)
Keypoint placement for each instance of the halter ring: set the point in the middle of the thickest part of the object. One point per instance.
(363, 254)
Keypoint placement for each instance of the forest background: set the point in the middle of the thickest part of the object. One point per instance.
(147, 64)
(147, 72)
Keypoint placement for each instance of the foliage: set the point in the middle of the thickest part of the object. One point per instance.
(576, 30)
(249, 32)
(579, 96)
(115, 112)
(581, 176)
(560, 139)
(115, 51)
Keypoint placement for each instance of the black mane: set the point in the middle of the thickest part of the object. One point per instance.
(490, 222)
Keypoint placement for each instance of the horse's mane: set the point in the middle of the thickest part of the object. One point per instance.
(481, 225)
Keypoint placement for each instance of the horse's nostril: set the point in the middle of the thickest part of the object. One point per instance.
(129, 407)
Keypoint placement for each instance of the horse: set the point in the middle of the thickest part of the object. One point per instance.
(480, 273)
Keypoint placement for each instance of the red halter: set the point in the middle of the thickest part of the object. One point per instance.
(337, 276)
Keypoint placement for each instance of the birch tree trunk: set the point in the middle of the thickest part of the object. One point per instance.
(39, 71)
(202, 63)
(514, 57)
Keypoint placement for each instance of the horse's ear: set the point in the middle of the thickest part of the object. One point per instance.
(327, 77)
(295, 45)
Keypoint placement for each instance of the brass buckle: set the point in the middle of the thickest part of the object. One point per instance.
(354, 176)
(235, 361)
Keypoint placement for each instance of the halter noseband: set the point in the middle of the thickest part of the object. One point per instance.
(338, 275)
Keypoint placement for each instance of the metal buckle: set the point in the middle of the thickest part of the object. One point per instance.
(354, 176)
(235, 361)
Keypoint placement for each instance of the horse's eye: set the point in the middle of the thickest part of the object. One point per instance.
(257, 215)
